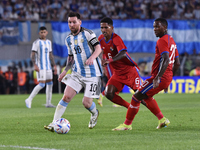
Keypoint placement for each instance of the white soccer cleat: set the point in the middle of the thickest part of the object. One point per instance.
(49, 106)
(28, 103)
(93, 120)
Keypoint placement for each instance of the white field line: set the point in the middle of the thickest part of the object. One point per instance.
(28, 147)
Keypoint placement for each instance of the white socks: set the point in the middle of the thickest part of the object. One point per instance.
(49, 87)
(35, 91)
(60, 109)
(92, 109)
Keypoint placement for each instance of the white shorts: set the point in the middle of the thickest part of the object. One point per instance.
(44, 75)
(92, 85)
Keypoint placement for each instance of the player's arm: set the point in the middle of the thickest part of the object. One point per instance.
(176, 65)
(33, 53)
(53, 62)
(70, 62)
(164, 62)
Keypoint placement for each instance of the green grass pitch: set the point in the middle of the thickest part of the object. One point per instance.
(23, 128)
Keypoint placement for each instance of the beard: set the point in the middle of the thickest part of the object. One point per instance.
(74, 31)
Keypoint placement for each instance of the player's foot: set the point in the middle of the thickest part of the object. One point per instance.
(93, 120)
(115, 105)
(122, 127)
(50, 127)
(28, 103)
(49, 106)
(164, 122)
(100, 100)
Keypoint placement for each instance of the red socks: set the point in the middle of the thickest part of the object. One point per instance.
(153, 107)
(132, 111)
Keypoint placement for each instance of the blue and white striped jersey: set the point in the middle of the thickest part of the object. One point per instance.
(43, 48)
(81, 46)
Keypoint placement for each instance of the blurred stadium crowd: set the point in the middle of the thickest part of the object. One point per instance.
(57, 10)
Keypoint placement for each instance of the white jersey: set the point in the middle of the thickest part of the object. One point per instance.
(43, 48)
(81, 46)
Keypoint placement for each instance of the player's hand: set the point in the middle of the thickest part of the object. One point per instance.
(166, 90)
(89, 61)
(60, 77)
(104, 63)
(156, 82)
(36, 68)
(55, 69)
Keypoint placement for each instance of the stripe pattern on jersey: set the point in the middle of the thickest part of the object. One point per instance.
(81, 46)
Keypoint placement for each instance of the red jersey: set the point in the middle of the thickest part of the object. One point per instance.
(165, 44)
(112, 48)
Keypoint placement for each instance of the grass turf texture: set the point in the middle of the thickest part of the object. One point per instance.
(24, 127)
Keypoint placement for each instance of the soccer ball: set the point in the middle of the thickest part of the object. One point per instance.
(62, 126)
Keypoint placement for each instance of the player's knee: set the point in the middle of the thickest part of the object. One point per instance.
(109, 95)
(66, 98)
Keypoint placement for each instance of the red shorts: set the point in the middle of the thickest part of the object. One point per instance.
(147, 87)
(131, 79)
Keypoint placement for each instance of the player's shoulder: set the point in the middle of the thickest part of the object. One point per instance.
(100, 37)
(36, 41)
(86, 30)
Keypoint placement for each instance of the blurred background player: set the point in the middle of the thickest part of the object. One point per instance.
(165, 64)
(83, 49)
(42, 59)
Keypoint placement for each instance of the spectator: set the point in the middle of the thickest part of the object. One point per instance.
(175, 16)
(62, 13)
(56, 5)
(137, 8)
(195, 72)
(2, 82)
(156, 12)
(119, 6)
(122, 15)
(9, 80)
(180, 7)
(94, 15)
(196, 11)
(114, 15)
(43, 11)
(22, 81)
(129, 10)
(13, 15)
(188, 14)
(74, 6)
(1, 9)
(85, 15)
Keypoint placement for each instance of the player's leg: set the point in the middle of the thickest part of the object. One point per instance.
(41, 77)
(92, 90)
(69, 93)
(49, 88)
(73, 86)
(113, 86)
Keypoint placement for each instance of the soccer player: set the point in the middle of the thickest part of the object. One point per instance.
(42, 58)
(125, 70)
(165, 64)
(83, 50)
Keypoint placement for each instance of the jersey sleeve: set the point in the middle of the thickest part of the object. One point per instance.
(67, 43)
(118, 42)
(162, 46)
(50, 46)
(35, 46)
(92, 39)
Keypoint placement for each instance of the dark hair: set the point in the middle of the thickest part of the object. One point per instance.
(107, 20)
(43, 28)
(74, 14)
(163, 21)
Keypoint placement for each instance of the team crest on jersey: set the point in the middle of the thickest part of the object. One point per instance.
(75, 42)
(111, 48)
